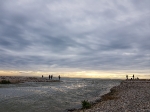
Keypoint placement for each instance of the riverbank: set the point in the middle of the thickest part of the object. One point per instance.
(129, 96)
(19, 79)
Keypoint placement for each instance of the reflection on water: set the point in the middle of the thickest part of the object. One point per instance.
(51, 97)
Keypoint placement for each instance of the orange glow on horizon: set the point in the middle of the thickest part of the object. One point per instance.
(79, 74)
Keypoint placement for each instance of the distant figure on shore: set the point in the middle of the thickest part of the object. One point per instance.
(49, 77)
(42, 76)
(133, 76)
(127, 77)
(59, 77)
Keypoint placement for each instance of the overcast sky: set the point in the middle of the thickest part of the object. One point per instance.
(75, 35)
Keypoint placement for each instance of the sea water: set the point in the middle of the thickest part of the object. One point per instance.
(52, 96)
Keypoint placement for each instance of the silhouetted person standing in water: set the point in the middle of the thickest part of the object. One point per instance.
(59, 77)
(49, 77)
(133, 76)
(42, 76)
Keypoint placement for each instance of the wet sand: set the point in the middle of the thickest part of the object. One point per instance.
(20, 79)
(129, 96)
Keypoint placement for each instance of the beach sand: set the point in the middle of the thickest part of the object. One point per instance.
(129, 96)
(21, 79)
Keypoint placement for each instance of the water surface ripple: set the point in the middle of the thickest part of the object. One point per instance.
(52, 97)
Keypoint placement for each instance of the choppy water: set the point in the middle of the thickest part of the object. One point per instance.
(51, 97)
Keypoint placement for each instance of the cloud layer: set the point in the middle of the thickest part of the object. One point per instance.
(71, 34)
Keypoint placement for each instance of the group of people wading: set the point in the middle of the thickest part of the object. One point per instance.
(51, 77)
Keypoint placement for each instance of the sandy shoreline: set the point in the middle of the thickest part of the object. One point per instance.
(21, 79)
(129, 96)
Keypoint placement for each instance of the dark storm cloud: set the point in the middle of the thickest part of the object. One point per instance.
(89, 35)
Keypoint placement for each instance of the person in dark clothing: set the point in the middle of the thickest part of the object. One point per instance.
(133, 76)
(49, 77)
(59, 77)
(42, 76)
(127, 77)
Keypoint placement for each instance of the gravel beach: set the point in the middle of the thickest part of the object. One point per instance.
(129, 96)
